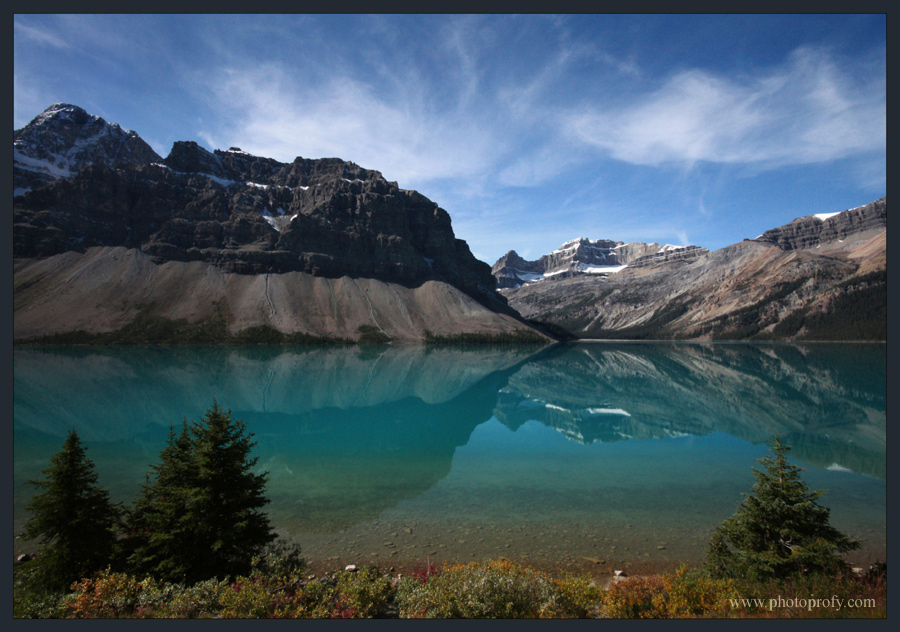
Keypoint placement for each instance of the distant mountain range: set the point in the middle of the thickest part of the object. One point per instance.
(820, 277)
(585, 256)
(113, 243)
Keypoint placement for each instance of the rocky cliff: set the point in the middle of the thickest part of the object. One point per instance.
(814, 279)
(814, 230)
(585, 256)
(227, 220)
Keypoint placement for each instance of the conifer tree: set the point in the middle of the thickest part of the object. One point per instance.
(779, 529)
(73, 516)
(161, 541)
(201, 515)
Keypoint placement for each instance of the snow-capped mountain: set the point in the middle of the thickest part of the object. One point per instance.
(586, 256)
(64, 139)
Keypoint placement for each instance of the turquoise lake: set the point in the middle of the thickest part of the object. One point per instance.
(583, 455)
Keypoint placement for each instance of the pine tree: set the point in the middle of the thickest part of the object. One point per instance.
(73, 516)
(201, 515)
(161, 538)
(779, 529)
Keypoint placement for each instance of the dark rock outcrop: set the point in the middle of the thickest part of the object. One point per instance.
(685, 254)
(252, 215)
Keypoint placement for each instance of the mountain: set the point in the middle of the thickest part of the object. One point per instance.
(64, 139)
(585, 256)
(820, 277)
(206, 245)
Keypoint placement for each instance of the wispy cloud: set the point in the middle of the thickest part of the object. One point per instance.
(274, 115)
(808, 111)
(40, 35)
(529, 130)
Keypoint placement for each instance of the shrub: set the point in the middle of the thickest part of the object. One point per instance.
(364, 594)
(251, 597)
(637, 598)
(693, 593)
(497, 589)
(175, 601)
(684, 594)
(31, 600)
(108, 595)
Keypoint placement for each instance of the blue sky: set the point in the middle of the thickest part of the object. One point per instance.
(529, 130)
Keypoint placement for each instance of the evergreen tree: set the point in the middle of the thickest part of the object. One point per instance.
(779, 529)
(73, 516)
(161, 541)
(201, 515)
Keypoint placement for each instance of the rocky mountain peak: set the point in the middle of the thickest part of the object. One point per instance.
(587, 256)
(189, 157)
(65, 113)
(511, 259)
(64, 139)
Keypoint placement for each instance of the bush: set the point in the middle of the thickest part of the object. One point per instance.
(685, 594)
(108, 595)
(111, 595)
(31, 600)
(637, 598)
(493, 590)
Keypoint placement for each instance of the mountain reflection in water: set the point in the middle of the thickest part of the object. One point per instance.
(351, 434)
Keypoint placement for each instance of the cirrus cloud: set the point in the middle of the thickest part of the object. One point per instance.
(810, 110)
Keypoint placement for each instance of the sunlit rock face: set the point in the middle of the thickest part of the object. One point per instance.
(817, 278)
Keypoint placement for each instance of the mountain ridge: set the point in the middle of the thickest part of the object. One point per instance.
(586, 256)
(816, 278)
(237, 216)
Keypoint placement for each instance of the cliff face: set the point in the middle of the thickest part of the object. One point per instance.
(245, 216)
(251, 215)
(814, 230)
(812, 279)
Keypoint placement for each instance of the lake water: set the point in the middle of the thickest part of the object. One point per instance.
(582, 456)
